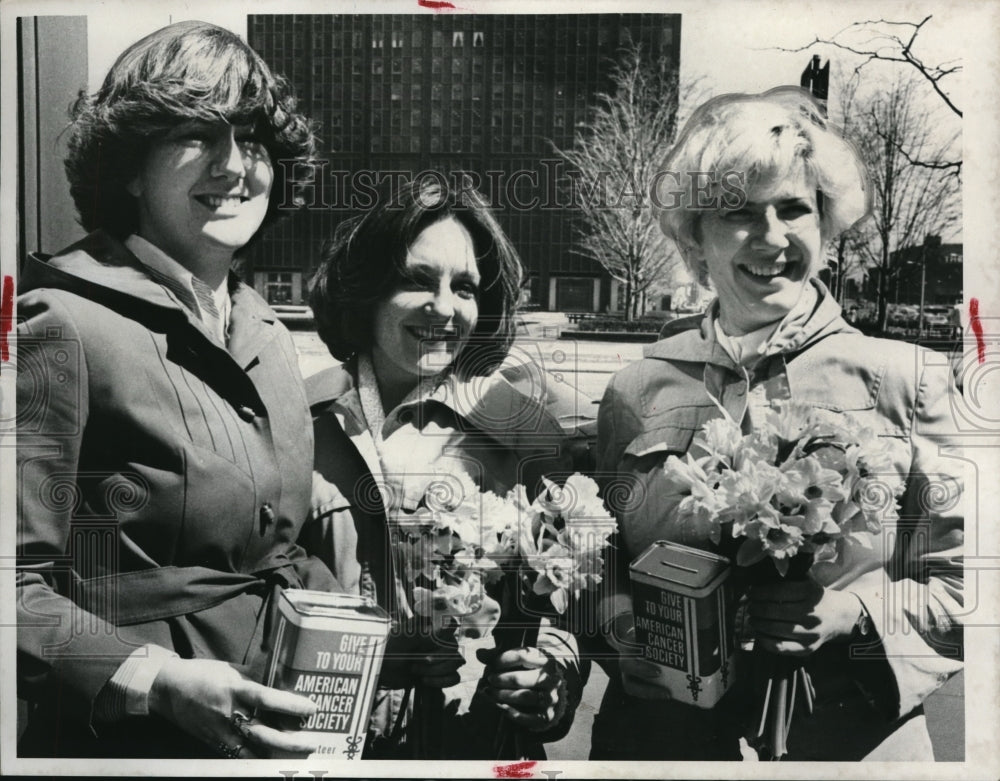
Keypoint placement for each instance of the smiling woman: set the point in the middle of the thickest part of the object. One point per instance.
(180, 420)
(878, 627)
(202, 193)
(417, 298)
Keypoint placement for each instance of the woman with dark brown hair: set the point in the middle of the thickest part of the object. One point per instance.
(417, 298)
(166, 470)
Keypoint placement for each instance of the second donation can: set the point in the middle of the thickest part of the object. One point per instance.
(683, 620)
(329, 648)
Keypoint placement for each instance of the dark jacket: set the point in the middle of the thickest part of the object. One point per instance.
(910, 579)
(502, 437)
(162, 482)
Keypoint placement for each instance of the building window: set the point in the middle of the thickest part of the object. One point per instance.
(397, 65)
(456, 67)
(456, 91)
(397, 39)
(477, 39)
(417, 38)
(356, 40)
(458, 38)
(278, 287)
(377, 66)
(377, 42)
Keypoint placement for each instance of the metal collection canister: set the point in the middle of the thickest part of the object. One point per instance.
(329, 648)
(683, 619)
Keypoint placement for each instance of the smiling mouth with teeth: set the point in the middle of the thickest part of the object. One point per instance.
(220, 201)
(765, 270)
(433, 335)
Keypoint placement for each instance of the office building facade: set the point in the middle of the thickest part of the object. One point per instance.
(484, 96)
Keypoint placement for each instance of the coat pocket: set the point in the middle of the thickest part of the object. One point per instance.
(669, 432)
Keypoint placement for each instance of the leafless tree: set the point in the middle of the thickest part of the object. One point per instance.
(881, 40)
(612, 166)
(892, 129)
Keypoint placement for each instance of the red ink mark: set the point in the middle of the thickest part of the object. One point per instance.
(435, 5)
(977, 329)
(514, 770)
(6, 316)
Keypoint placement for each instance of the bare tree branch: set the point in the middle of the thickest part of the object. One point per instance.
(896, 50)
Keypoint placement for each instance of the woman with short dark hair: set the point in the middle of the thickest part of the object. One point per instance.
(366, 260)
(416, 296)
(164, 476)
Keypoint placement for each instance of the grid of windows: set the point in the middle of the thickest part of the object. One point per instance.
(483, 93)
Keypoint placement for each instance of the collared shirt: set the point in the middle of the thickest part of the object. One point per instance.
(197, 296)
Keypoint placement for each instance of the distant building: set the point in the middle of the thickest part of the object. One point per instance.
(399, 95)
(942, 276)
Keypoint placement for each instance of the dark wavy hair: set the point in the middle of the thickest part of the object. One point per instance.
(365, 262)
(188, 71)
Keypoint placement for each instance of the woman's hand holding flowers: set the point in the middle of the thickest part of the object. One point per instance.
(797, 617)
(529, 686)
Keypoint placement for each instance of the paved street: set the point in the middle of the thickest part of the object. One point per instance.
(588, 366)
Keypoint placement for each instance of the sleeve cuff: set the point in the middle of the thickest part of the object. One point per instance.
(127, 691)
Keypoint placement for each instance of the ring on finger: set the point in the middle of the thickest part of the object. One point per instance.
(241, 723)
(229, 752)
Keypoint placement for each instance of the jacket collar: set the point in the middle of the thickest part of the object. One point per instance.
(491, 404)
(101, 268)
(698, 343)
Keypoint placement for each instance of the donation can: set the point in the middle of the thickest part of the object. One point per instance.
(684, 617)
(329, 648)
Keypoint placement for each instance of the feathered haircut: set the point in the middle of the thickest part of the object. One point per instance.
(763, 138)
(188, 71)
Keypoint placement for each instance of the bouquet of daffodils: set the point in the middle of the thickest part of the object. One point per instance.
(804, 483)
(459, 539)
(795, 491)
(560, 538)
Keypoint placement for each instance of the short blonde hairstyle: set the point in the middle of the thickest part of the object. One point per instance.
(759, 138)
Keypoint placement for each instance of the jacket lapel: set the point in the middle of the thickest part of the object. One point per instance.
(252, 324)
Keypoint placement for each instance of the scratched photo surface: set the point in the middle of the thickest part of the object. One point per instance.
(444, 312)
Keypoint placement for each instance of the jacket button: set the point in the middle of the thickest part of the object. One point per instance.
(266, 517)
(246, 413)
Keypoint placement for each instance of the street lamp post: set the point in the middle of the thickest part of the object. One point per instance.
(923, 281)
(930, 242)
